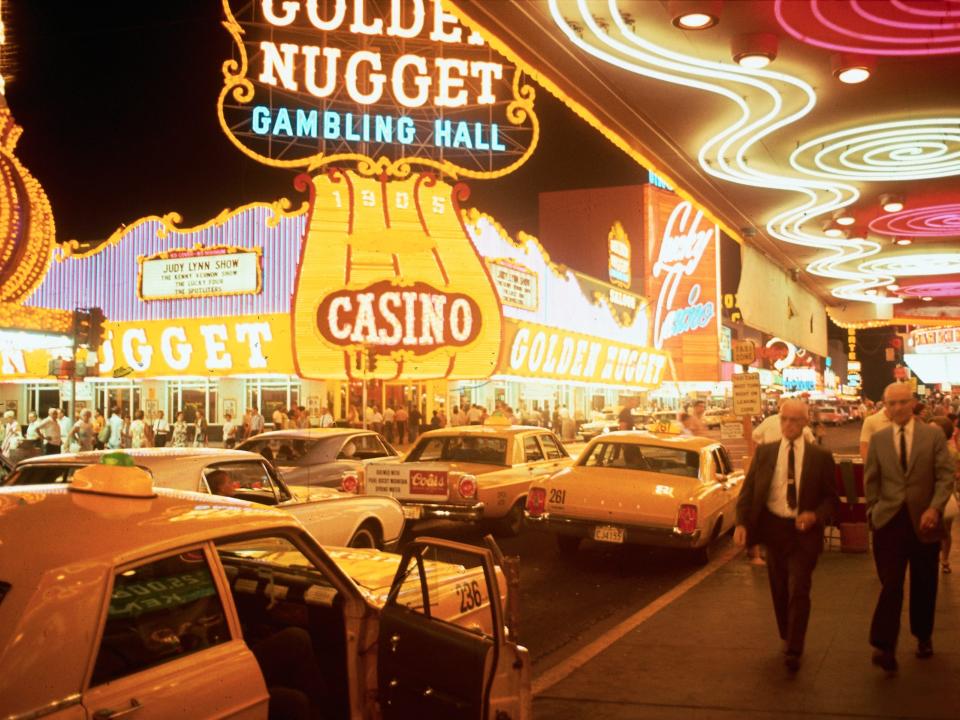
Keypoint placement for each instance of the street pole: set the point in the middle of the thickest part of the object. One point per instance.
(363, 410)
(72, 406)
(748, 428)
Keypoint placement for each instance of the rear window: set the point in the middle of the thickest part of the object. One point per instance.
(462, 448)
(46, 474)
(294, 452)
(630, 456)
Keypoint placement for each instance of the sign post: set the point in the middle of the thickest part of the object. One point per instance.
(746, 402)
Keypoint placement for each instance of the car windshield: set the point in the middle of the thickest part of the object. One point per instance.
(46, 474)
(652, 458)
(294, 451)
(461, 448)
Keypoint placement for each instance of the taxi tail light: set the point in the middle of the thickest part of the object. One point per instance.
(687, 519)
(352, 482)
(536, 501)
(467, 486)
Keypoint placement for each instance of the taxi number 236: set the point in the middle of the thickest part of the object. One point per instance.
(470, 595)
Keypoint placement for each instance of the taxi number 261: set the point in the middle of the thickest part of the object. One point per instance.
(558, 497)
(470, 596)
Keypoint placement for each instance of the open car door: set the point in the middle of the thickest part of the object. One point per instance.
(462, 667)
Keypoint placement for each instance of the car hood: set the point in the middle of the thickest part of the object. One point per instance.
(302, 492)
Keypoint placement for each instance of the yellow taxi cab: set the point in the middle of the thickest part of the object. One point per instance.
(664, 422)
(120, 599)
(636, 487)
(467, 472)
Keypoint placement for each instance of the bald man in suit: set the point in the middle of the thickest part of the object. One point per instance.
(788, 497)
(908, 480)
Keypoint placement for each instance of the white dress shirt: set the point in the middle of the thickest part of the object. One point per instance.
(908, 432)
(872, 424)
(777, 499)
(769, 431)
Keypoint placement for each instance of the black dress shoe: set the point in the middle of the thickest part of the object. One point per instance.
(792, 661)
(925, 649)
(885, 659)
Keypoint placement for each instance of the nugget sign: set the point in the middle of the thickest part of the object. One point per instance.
(428, 483)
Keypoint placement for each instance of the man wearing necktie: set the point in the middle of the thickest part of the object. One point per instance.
(788, 497)
(907, 480)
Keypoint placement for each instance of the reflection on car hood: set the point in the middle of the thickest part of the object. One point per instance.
(315, 493)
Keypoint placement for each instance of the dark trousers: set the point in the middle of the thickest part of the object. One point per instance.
(401, 432)
(50, 448)
(791, 558)
(895, 546)
(160, 439)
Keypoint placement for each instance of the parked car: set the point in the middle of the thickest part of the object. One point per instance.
(831, 415)
(118, 598)
(663, 421)
(715, 417)
(609, 421)
(334, 518)
(319, 457)
(468, 473)
(635, 487)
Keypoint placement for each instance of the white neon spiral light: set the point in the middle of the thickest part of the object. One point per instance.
(725, 154)
(916, 264)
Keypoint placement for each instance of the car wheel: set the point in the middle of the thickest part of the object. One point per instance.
(568, 544)
(511, 524)
(367, 536)
(703, 555)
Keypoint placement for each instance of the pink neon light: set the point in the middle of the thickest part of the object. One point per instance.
(858, 8)
(929, 13)
(939, 290)
(821, 31)
(929, 221)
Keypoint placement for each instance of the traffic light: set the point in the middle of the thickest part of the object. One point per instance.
(371, 359)
(96, 329)
(81, 326)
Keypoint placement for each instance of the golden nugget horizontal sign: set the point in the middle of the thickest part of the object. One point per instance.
(531, 350)
(210, 346)
(391, 82)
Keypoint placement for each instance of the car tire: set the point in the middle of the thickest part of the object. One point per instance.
(511, 524)
(368, 535)
(704, 554)
(568, 544)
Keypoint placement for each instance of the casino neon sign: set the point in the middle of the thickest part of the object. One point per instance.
(388, 83)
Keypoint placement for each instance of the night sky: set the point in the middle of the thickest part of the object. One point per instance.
(118, 105)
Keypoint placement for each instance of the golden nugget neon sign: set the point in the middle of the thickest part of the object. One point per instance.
(384, 82)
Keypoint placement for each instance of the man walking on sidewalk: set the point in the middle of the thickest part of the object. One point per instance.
(908, 480)
(789, 495)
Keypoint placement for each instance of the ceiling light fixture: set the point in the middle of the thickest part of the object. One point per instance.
(903, 241)
(754, 50)
(694, 14)
(891, 203)
(893, 288)
(831, 229)
(926, 298)
(852, 69)
(845, 218)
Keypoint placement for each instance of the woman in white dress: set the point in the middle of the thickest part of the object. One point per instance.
(179, 436)
(138, 431)
(12, 436)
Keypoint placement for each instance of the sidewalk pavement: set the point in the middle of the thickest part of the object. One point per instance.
(714, 653)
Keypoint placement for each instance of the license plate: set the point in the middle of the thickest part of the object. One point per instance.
(608, 533)
(412, 512)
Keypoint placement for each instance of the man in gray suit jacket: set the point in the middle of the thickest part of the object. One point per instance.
(908, 480)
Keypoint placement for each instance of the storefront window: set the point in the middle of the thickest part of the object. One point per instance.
(188, 397)
(273, 395)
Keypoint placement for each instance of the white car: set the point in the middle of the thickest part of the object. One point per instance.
(319, 457)
(332, 517)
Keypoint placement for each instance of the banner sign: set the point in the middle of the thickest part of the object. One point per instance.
(388, 83)
(200, 272)
(531, 350)
(518, 286)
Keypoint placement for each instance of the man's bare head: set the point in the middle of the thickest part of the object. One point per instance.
(794, 415)
(898, 401)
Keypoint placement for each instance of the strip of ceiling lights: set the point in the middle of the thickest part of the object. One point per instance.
(902, 150)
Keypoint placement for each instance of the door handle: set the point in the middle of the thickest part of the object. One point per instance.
(107, 714)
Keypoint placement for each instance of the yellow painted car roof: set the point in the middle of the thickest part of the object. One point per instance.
(641, 437)
(503, 431)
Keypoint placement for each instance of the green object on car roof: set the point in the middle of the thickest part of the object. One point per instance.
(117, 458)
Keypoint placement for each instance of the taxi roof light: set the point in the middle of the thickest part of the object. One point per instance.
(116, 475)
